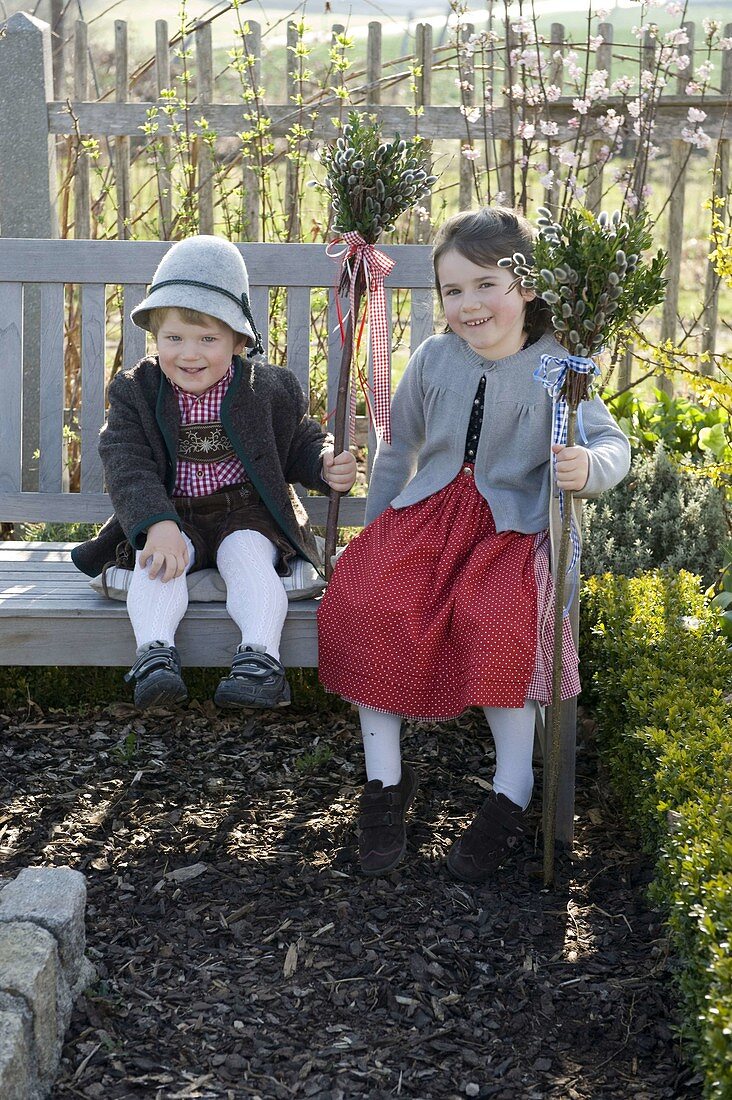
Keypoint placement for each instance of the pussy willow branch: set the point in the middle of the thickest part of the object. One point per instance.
(555, 731)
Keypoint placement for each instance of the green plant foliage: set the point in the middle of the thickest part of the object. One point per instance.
(722, 602)
(687, 429)
(591, 273)
(660, 516)
(661, 682)
(76, 689)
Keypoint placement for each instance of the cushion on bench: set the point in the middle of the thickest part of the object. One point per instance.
(207, 585)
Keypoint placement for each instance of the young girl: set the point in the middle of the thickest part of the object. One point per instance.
(199, 450)
(445, 600)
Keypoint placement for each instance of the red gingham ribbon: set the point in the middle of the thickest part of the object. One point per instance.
(377, 265)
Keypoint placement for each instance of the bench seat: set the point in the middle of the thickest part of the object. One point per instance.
(50, 615)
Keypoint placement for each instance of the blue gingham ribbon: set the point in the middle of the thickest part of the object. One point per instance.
(552, 373)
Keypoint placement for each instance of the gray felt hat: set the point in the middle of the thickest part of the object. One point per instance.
(207, 274)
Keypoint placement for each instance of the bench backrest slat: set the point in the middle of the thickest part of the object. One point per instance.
(259, 301)
(92, 385)
(92, 269)
(421, 317)
(50, 463)
(133, 338)
(298, 335)
(11, 373)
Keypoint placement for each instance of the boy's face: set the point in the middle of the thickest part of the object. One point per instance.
(195, 357)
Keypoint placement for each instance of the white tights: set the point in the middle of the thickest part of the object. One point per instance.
(255, 596)
(513, 734)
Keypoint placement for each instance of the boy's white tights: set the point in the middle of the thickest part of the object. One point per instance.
(255, 597)
(513, 734)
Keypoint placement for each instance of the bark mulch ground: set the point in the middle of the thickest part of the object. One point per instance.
(240, 954)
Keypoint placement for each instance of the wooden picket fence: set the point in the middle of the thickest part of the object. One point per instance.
(27, 184)
(35, 118)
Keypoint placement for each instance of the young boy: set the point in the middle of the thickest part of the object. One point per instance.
(199, 451)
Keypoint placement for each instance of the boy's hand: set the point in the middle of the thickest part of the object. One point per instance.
(572, 467)
(339, 470)
(165, 551)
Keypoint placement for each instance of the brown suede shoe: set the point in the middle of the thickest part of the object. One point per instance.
(488, 841)
(382, 838)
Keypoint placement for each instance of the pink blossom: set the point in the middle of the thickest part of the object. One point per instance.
(621, 86)
(677, 37)
(725, 43)
(674, 8)
(611, 122)
(635, 107)
(597, 84)
(552, 93)
(568, 157)
(472, 114)
(594, 42)
(469, 153)
(548, 129)
(711, 27)
(581, 106)
(526, 130)
(698, 138)
(547, 181)
(601, 13)
(522, 26)
(695, 115)
(574, 122)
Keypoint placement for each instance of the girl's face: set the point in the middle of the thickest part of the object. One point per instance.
(195, 357)
(481, 305)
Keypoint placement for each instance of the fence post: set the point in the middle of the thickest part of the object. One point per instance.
(27, 186)
(164, 174)
(423, 229)
(205, 80)
(678, 160)
(252, 161)
(721, 184)
(122, 143)
(467, 190)
(82, 213)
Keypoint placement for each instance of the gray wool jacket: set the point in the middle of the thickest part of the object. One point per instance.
(429, 421)
(264, 414)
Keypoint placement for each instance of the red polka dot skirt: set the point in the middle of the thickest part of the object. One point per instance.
(430, 611)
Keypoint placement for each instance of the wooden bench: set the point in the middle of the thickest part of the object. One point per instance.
(49, 615)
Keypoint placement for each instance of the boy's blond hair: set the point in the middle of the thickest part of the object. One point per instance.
(189, 316)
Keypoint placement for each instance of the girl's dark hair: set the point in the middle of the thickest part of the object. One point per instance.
(484, 237)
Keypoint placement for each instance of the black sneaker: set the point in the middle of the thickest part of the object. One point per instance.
(256, 680)
(156, 672)
(488, 841)
(382, 836)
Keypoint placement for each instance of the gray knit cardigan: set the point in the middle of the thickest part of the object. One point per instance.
(264, 415)
(429, 421)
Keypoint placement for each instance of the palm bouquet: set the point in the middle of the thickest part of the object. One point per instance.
(591, 272)
(369, 182)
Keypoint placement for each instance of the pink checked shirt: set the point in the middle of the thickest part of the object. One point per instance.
(201, 476)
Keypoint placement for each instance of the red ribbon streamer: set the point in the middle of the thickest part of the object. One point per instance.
(376, 265)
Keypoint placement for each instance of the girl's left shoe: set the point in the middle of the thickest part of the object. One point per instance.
(492, 837)
(257, 679)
